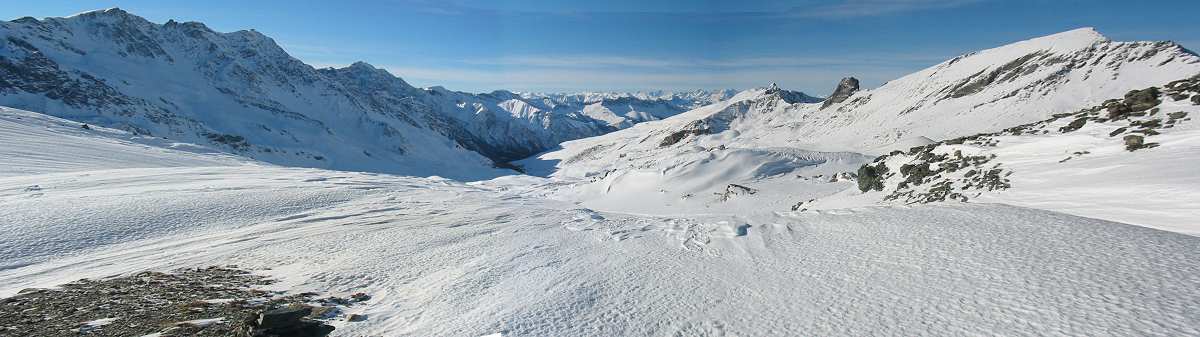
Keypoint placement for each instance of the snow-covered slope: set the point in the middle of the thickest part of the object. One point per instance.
(82, 147)
(1129, 160)
(445, 258)
(985, 91)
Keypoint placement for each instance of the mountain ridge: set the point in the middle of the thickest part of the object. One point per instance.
(242, 92)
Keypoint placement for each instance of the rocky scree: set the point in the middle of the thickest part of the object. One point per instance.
(213, 301)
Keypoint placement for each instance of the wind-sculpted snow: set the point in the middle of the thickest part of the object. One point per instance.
(444, 258)
(83, 147)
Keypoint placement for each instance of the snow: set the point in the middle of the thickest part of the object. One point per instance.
(201, 323)
(635, 170)
(745, 226)
(78, 149)
(441, 257)
(1155, 188)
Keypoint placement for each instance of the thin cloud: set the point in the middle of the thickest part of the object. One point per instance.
(587, 62)
(863, 8)
(815, 81)
(708, 11)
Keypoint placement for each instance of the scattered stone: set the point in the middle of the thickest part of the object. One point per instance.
(213, 301)
(733, 190)
(1134, 142)
(85, 127)
(1116, 132)
(356, 318)
(1074, 125)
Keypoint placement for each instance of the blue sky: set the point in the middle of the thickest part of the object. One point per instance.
(543, 45)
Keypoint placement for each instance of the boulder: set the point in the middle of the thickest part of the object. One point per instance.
(1142, 100)
(1134, 142)
(290, 321)
(283, 317)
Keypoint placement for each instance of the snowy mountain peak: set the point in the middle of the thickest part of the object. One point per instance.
(1072, 38)
(114, 12)
(788, 96)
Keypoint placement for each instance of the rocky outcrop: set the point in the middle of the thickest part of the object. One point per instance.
(941, 172)
(846, 88)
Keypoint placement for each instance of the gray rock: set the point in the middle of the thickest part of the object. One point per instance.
(283, 317)
(1134, 142)
(846, 88)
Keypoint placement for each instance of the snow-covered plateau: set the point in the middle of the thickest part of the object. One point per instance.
(1047, 187)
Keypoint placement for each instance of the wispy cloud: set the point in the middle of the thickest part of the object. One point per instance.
(573, 72)
(589, 62)
(863, 8)
(813, 80)
(707, 10)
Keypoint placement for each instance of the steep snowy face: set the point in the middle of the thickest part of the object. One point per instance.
(237, 91)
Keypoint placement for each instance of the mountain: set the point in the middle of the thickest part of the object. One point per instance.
(622, 109)
(788, 151)
(242, 93)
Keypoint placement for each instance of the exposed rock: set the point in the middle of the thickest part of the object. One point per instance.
(283, 317)
(1134, 142)
(792, 97)
(733, 190)
(356, 318)
(846, 88)
(1142, 100)
(694, 128)
(360, 297)
(871, 177)
(1074, 125)
(212, 301)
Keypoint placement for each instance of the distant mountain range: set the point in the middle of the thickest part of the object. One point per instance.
(242, 93)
